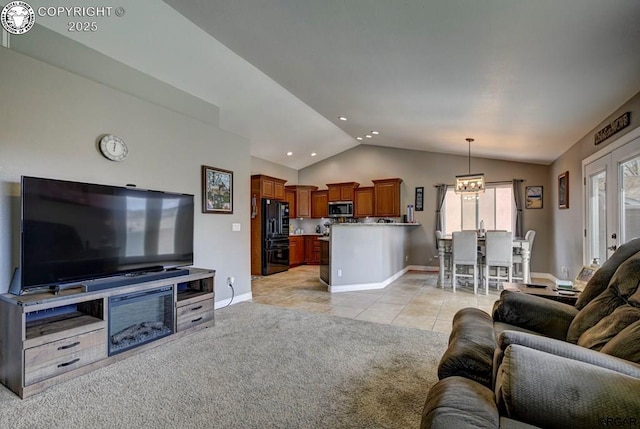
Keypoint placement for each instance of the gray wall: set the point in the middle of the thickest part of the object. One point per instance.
(51, 120)
(568, 227)
(261, 166)
(364, 163)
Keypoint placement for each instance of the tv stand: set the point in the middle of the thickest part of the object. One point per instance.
(47, 338)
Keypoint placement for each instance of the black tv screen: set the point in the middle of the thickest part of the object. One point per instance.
(73, 231)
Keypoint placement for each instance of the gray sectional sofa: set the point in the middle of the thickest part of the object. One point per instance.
(539, 363)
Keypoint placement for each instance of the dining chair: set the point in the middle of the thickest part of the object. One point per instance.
(498, 255)
(447, 251)
(464, 254)
(517, 257)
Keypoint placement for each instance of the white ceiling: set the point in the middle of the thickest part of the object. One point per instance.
(525, 78)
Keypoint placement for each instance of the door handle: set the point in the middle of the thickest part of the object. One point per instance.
(612, 248)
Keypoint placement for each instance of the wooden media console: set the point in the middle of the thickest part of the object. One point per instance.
(46, 339)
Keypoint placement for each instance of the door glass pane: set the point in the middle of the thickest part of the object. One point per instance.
(598, 216)
(630, 199)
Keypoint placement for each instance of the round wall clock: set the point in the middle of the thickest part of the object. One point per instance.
(113, 147)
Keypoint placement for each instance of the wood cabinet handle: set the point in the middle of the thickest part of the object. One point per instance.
(69, 363)
(69, 346)
(196, 308)
(196, 320)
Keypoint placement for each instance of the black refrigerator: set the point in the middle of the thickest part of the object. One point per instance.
(275, 236)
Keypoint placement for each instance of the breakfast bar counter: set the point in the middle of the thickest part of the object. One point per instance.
(361, 256)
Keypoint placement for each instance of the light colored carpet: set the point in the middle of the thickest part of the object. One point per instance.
(258, 367)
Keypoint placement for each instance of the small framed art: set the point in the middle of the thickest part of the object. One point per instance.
(563, 190)
(217, 190)
(533, 197)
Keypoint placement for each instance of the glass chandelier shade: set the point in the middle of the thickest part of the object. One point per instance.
(469, 183)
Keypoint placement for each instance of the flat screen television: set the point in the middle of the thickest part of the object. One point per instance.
(72, 231)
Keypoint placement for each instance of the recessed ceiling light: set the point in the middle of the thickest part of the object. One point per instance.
(342, 118)
(368, 136)
(375, 133)
(313, 154)
(358, 138)
(289, 153)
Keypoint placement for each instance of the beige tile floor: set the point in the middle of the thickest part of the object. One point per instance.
(413, 300)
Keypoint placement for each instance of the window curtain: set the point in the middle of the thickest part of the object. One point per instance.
(517, 196)
(441, 193)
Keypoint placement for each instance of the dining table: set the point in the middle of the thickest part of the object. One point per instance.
(519, 244)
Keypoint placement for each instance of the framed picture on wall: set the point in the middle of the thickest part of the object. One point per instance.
(419, 198)
(563, 190)
(217, 190)
(533, 197)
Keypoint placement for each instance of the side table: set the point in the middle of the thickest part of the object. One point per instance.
(566, 296)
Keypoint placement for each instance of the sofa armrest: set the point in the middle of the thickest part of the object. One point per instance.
(457, 402)
(541, 315)
(551, 391)
(563, 349)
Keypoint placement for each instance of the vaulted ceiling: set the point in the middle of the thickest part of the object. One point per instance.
(525, 78)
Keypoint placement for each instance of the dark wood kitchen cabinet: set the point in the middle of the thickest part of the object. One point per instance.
(387, 197)
(363, 202)
(299, 197)
(319, 204)
(296, 250)
(341, 191)
(312, 250)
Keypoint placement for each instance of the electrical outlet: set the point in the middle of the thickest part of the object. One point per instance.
(230, 281)
(406, 258)
(339, 273)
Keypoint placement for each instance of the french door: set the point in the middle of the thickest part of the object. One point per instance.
(612, 186)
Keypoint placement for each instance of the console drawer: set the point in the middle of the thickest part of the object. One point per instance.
(64, 355)
(194, 314)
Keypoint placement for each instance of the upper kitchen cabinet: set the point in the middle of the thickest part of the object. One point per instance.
(363, 202)
(387, 197)
(299, 198)
(267, 187)
(342, 191)
(290, 197)
(319, 204)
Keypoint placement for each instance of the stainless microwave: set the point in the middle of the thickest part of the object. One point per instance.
(341, 209)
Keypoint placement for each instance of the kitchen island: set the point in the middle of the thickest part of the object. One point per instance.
(361, 256)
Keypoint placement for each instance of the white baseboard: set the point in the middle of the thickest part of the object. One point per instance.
(368, 286)
(236, 299)
(427, 268)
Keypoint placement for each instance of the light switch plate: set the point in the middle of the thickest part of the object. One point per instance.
(235, 227)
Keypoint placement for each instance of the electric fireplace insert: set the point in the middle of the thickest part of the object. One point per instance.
(139, 318)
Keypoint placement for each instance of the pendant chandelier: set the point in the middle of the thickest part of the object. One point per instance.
(469, 183)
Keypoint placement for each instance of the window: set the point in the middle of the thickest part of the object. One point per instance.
(495, 208)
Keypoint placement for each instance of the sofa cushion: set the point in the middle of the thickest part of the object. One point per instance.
(608, 327)
(550, 391)
(626, 344)
(622, 285)
(601, 278)
(471, 345)
(457, 402)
